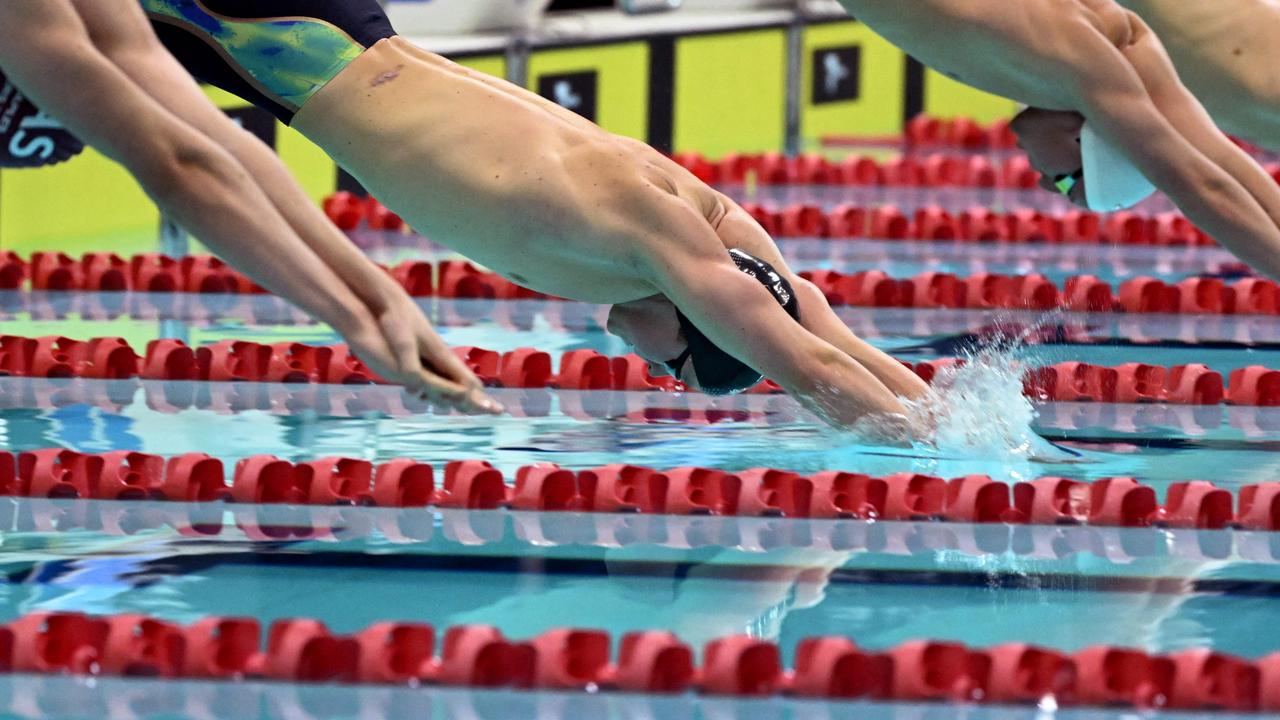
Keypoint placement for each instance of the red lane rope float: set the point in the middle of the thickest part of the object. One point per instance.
(934, 290)
(464, 527)
(933, 223)
(936, 169)
(154, 272)
(528, 368)
(1080, 293)
(544, 487)
(978, 224)
(960, 133)
(569, 659)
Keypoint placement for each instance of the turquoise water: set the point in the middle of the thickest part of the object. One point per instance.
(702, 578)
(782, 580)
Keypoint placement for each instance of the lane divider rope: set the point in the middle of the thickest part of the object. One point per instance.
(568, 659)
(1183, 330)
(453, 527)
(158, 273)
(461, 279)
(620, 488)
(112, 358)
(851, 221)
(966, 133)
(930, 168)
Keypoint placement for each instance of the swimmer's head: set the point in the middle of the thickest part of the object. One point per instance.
(1077, 162)
(1052, 141)
(673, 345)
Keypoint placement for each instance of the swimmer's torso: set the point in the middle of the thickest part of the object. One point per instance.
(999, 46)
(1224, 51)
(496, 177)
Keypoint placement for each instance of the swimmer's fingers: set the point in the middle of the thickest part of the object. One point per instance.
(445, 379)
(439, 391)
(439, 361)
(427, 367)
(470, 400)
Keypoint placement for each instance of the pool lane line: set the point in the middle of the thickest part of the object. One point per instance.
(300, 363)
(287, 557)
(933, 290)
(553, 317)
(390, 653)
(619, 488)
(208, 527)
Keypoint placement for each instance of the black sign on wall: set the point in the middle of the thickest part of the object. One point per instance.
(575, 91)
(257, 121)
(837, 74)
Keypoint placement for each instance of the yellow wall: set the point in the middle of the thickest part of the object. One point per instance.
(495, 65)
(730, 92)
(946, 98)
(622, 93)
(879, 108)
(88, 203)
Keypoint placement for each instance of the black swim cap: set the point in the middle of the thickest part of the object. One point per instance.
(28, 137)
(720, 373)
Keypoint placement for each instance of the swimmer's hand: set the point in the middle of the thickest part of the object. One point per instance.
(417, 358)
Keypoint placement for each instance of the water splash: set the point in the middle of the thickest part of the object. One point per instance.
(977, 408)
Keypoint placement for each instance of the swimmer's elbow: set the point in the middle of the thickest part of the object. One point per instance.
(821, 367)
(181, 171)
(1208, 185)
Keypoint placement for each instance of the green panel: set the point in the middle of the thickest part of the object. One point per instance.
(731, 92)
(622, 102)
(495, 65)
(946, 98)
(878, 109)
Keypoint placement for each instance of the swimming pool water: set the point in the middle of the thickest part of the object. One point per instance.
(880, 584)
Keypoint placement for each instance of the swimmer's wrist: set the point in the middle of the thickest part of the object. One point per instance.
(347, 316)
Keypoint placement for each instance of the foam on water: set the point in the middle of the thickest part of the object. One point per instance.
(978, 407)
(976, 411)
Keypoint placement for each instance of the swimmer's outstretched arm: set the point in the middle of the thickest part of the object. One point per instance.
(737, 229)
(46, 50)
(1134, 99)
(1185, 112)
(125, 36)
(740, 316)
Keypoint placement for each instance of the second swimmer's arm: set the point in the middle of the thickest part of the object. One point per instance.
(1185, 112)
(1112, 96)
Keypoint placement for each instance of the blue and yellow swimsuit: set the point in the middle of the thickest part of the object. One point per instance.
(276, 54)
